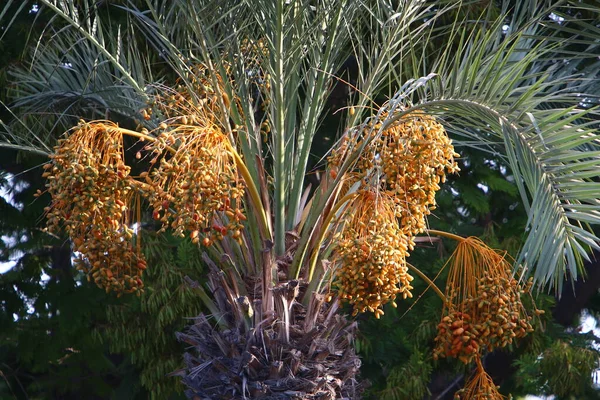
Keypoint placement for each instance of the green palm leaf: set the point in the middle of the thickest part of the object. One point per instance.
(512, 92)
(79, 69)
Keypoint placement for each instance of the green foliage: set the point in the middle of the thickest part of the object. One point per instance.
(410, 380)
(143, 328)
(481, 197)
(563, 369)
(396, 349)
(46, 312)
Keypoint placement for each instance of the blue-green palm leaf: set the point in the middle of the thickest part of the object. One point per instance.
(521, 92)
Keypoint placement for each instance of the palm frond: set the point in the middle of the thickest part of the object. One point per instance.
(15, 8)
(282, 51)
(512, 91)
(86, 68)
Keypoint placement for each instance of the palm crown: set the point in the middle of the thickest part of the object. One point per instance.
(225, 151)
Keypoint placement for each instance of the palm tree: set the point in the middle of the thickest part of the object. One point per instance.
(225, 153)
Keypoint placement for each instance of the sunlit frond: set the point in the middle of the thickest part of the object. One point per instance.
(513, 93)
(84, 68)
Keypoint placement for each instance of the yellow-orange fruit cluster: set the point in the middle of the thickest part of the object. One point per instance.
(415, 156)
(479, 387)
(408, 161)
(90, 188)
(372, 256)
(196, 187)
(502, 316)
(457, 337)
(196, 101)
(404, 165)
(485, 300)
(193, 183)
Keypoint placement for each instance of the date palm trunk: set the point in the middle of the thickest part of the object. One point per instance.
(293, 352)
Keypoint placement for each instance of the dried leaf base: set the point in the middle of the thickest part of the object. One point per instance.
(295, 352)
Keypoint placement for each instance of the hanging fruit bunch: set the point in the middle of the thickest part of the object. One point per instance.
(408, 161)
(91, 195)
(399, 172)
(196, 188)
(479, 387)
(195, 102)
(192, 185)
(415, 157)
(484, 308)
(372, 254)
